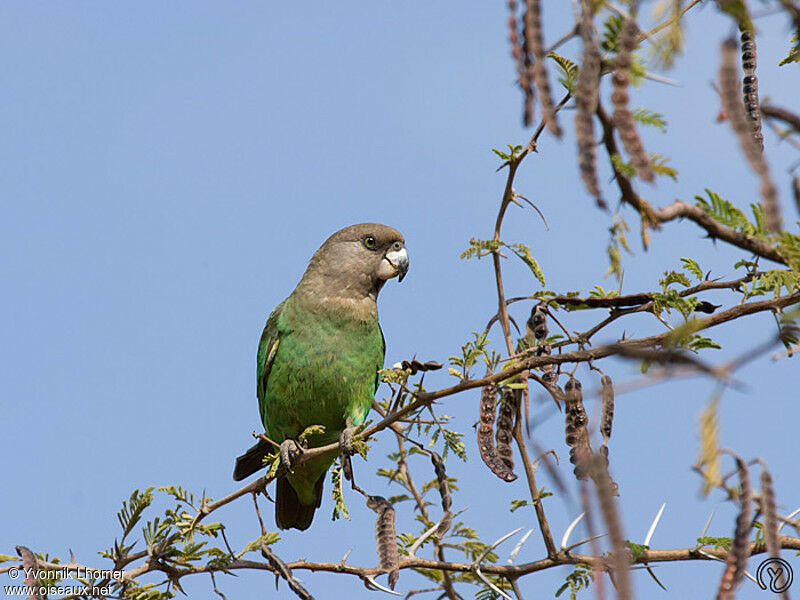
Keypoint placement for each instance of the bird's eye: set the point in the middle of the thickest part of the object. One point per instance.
(370, 242)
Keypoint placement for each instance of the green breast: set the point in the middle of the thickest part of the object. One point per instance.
(323, 373)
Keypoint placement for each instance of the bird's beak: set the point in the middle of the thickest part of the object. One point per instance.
(394, 263)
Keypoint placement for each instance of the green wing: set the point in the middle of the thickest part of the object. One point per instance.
(380, 364)
(267, 347)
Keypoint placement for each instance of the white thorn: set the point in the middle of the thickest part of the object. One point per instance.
(568, 532)
(788, 517)
(661, 79)
(576, 544)
(415, 546)
(496, 544)
(705, 528)
(381, 588)
(518, 547)
(654, 524)
(712, 557)
(495, 589)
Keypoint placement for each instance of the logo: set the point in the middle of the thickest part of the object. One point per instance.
(774, 574)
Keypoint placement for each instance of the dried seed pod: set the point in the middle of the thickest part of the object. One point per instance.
(623, 118)
(536, 324)
(513, 36)
(735, 111)
(769, 509)
(576, 432)
(750, 84)
(488, 452)
(533, 40)
(549, 374)
(586, 103)
(606, 490)
(607, 412)
(796, 191)
(736, 560)
(444, 492)
(504, 434)
(522, 57)
(388, 555)
(415, 366)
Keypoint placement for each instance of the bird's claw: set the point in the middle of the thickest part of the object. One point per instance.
(289, 451)
(346, 441)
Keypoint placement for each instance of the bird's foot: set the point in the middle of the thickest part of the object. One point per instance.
(289, 451)
(346, 441)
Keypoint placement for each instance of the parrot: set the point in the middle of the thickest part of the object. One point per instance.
(318, 362)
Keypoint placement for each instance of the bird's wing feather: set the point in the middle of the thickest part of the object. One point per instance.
(383, 355)
(267, 347)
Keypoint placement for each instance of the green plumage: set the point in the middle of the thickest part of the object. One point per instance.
(319, 356)
(316, 368)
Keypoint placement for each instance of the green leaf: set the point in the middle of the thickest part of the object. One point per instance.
(626, 168)
(636, 549)
(648, 117)
(255, 546)
(479, 248)
(658, 164)
(339, 508)
(513, 152)
(611, 31)
(568, 70)
(718, 543)
(132, 509)
(309, 431)
(725, 212)
(699, 342)
(524, 253)
(671, 277)
(794, 52)
(515, 504)
(692, 267)
(670, 299)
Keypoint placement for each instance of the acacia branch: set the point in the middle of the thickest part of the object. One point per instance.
(513, 571)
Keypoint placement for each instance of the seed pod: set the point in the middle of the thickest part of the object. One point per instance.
(535, 44)
(769, 510)
(549, 374)
(606, 490)
(796, 191)
(623, 118)
(537, 323)
(513, 36)
(736, 560)
(522, 56)
(607, 412)
(750, 85)
(444, 492)
(388, 555)
(586, 104)
(735, 111)
(488, 452)
(576, 432)
(414, 365)
(506, 413)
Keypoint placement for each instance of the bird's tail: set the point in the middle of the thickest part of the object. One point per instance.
(252, 460)
(289, 512)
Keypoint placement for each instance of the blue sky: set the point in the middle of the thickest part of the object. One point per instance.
(167, 169)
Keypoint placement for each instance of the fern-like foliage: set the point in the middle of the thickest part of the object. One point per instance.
(723, 211)
(648, 117)
(568, 70)
(794, 51)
